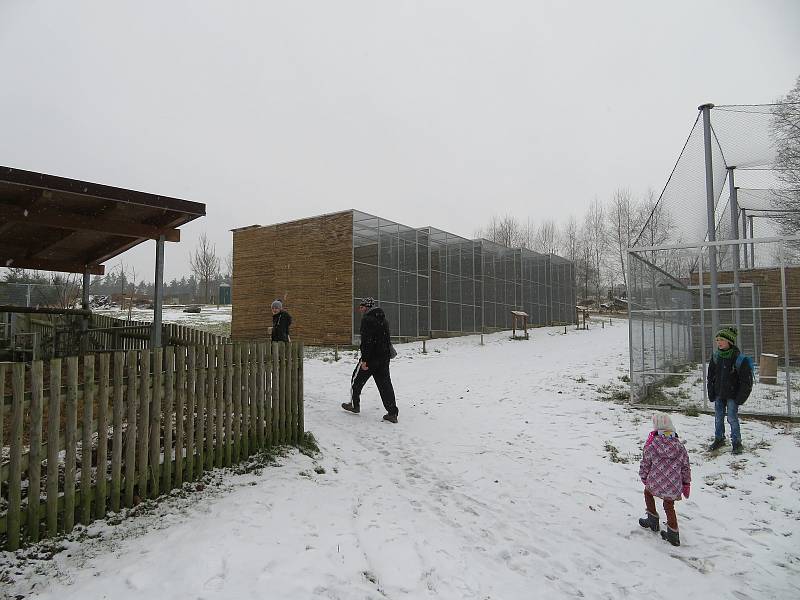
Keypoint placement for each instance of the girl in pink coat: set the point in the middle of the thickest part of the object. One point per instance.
(665, 473)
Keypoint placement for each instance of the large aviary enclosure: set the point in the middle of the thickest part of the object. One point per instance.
(708, 269)
(428, 281)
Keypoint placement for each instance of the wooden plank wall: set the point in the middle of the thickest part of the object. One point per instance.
(310, 263)
(162, 418)
(768, 282)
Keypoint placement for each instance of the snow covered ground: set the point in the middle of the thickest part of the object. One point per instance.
(210, 318)
(506, 477)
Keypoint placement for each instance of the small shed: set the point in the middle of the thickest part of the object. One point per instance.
(519, 317)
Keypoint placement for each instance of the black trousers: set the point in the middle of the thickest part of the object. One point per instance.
(380, 373)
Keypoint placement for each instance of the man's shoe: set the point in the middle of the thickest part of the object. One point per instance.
(348, 406)
(718, 443)
(390, 418)
(737, 448)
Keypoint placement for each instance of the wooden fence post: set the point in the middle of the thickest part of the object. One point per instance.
(155, 423)
(290, 393)
(143, 458)
(102, 438)
(35, 450)
(237, 403)
(116, 442)
(301, 427)
(276, 394)
(132, 398)
(260, 393)
(211, 406)
(200, 393)
(53, 446)
(169, 399)
(219, 378)
(244, 392)
(268, 440)
(191, 374)
(71, 442)
(15, 465)
(86, 439)
(180, 398)
(228, 355)
(253, 398)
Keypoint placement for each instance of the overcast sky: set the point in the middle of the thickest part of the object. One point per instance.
(439, 113)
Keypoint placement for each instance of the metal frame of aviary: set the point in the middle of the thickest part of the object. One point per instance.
(432, 282)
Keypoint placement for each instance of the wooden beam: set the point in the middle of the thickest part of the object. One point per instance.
(44, 311)
(49, 265)
(76, 222)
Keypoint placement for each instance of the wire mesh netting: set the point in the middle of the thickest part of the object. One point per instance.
(755, 154)
(671, 332)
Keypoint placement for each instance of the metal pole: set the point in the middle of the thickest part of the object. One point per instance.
(752, 246)
(702, 324)
(85, 306)
(712, 231)
(786, 334)
(744, 237)
(631, 283)
(158, 295)
(734, 210)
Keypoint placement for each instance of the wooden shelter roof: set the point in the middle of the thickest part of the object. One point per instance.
(58, 224)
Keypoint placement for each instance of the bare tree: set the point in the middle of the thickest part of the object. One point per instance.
(786, 127)
(547, 241)
(596, 237)
(505, 231)
(623, 222)
(205, 264)
(229, 266)
(569, 239)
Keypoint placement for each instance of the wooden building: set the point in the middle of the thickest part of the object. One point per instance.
(429, 282)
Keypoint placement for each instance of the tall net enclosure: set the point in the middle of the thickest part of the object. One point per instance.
(721, 246)
(671, 335)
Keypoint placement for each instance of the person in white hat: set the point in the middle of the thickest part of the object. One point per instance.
(666, 474)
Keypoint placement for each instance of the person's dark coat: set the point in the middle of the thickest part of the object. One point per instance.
(280, 326)
(725, 382)
(375, 337)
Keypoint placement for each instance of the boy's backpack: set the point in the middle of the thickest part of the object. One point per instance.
(740, 360)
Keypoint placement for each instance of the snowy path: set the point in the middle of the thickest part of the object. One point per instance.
(497, 483)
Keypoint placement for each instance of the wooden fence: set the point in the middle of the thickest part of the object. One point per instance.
(104, 431)
(110, 333)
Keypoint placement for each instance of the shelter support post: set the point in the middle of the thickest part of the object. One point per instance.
(158, 295)
(85, 306)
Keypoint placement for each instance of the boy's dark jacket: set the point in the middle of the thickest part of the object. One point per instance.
(280, 326)
(375, 336)
(727, 382)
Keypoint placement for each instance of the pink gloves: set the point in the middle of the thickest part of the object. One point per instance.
(686, 490)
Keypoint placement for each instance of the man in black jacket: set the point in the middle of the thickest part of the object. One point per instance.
(374, 362)
(729, 382)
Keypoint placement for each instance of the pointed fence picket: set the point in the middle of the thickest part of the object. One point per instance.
(134, 424)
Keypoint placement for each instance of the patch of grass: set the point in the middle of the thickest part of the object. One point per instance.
(691, 412)
(614, 393)
(625, 379)
(319, 470)
(762, 445)
(613, 453)
(580, 380)
(308, 445)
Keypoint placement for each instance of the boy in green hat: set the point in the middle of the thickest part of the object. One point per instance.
(730, 380)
